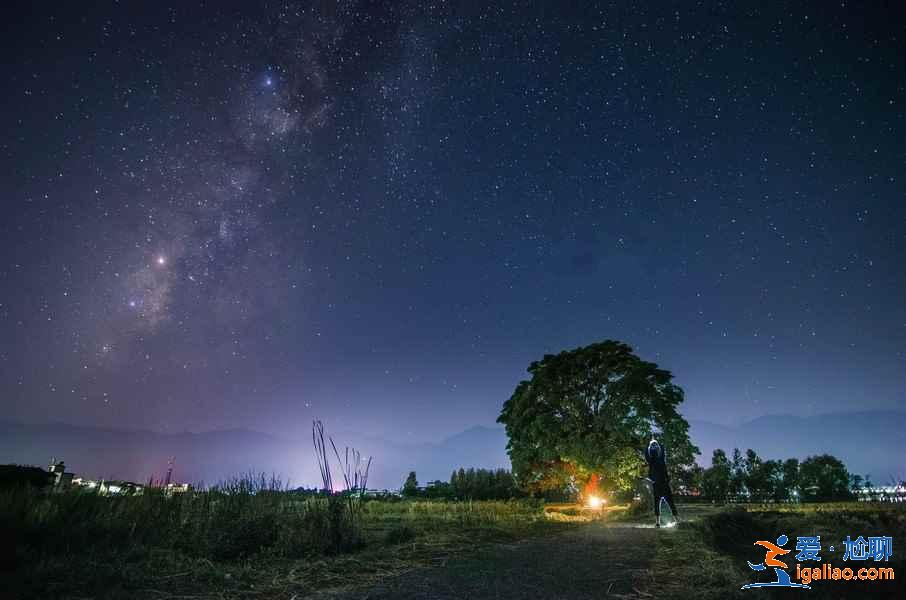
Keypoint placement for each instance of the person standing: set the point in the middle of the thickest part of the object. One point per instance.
(656, 457)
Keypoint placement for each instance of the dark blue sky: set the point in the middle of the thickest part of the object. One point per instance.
(255, 215)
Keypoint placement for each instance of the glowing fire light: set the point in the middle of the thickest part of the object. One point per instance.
(594, 502)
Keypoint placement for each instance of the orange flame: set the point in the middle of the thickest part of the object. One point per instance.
(591, 488)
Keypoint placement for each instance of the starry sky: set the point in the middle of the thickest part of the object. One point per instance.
(220, 215)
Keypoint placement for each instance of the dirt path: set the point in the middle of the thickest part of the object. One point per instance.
(595, 561)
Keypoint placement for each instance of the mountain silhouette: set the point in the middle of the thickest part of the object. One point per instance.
(868, 442)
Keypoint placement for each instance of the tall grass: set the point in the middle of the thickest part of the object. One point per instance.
(241, 518)
(248, 532)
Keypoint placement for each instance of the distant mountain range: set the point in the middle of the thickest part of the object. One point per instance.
(869, 442)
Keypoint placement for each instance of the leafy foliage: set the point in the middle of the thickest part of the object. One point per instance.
(748, 477)
(484, 484)
(823, 478)
(716, 479)
(789, 478)
(467, 484)
(410, 486)
(588, 412)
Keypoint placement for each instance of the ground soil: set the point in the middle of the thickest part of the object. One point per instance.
(599, 560)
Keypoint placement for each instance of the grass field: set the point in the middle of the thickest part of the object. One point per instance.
(623, 556)
(249, 541)
(709, 555)
(254, 542)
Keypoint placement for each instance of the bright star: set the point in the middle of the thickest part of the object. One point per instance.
(161, 260)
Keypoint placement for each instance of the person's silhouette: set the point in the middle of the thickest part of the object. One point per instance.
(656, 457)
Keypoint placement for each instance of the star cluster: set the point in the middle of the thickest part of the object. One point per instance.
(222, 215)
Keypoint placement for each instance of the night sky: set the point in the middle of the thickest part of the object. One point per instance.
(253, 215)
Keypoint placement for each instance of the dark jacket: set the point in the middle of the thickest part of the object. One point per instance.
(656, 458)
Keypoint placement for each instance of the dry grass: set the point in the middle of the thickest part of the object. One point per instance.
(244, 543)
(707, 557)
(168, 548)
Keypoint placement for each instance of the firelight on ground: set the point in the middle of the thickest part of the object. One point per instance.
(594, 502)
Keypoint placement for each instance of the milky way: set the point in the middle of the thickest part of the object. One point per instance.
(255, 215)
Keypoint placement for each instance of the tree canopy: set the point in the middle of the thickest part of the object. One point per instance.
(750, 478)
(715, 482)
(824, 478)
(589, 413)
(410, 486)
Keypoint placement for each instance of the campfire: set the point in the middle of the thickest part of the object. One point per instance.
(592, 499)
(594, 502)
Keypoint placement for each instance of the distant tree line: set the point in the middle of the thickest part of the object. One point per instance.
(749, 478)
(466, 484)
(18, 475)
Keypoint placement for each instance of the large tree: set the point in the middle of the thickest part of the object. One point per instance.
(716, 478)
(790, 478)
(410, 486)
(823, 478)
(588, 413)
